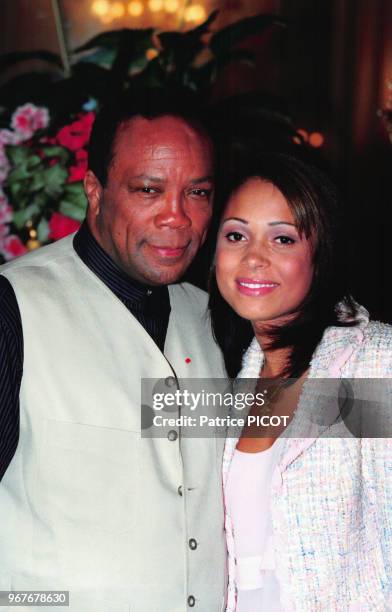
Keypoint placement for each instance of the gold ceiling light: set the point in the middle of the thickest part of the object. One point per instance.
(135, 8)
(171, 6)
(117, 10)
(155, 5)
(100, 8)
(109, 10)
(195, 13)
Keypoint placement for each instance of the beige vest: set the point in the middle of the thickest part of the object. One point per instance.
(87, 504)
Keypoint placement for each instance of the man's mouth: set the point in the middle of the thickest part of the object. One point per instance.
(168, 251)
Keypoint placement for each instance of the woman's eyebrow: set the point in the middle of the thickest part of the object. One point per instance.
(235, 219)
(282, 223)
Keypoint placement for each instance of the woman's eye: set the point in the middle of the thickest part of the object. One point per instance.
(285, 240)
(235, 237)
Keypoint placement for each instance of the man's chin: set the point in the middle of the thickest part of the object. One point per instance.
(163, 275)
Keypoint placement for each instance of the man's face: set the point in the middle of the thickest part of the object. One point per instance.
(153, 214)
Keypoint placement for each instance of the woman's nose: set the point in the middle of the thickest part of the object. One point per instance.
(257, 257)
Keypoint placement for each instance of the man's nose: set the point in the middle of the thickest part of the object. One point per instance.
(173, 213)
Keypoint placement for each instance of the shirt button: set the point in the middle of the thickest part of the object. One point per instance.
(172, 435)
(149, 291)
(170, 381)
(179, 490)
(191, 601)
(192, 544)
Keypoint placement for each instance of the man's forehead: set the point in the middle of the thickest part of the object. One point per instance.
(160, 136)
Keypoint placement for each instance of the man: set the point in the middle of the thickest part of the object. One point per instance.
(124, 523)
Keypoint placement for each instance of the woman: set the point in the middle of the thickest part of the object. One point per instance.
(309, 519)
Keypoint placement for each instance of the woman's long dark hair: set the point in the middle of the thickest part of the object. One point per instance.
(317, 211)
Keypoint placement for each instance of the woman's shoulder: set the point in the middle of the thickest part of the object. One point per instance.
(376, 349)
(377, 334)
(364, 350)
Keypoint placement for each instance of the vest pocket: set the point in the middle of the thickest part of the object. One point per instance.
(87, 477)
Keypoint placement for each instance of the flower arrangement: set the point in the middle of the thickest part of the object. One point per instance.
(41, 173)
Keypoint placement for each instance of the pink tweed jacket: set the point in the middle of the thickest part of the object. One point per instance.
(331, 502)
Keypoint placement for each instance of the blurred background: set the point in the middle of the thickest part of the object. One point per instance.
(315, 72)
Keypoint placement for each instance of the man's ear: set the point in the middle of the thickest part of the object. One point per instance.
(93, 190)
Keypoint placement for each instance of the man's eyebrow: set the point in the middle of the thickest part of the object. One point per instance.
(202, 179)
(147, 177)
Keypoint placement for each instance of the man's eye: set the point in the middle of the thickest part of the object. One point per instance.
(148, 190)
(235, 237)
(285, 240)
(201, 193)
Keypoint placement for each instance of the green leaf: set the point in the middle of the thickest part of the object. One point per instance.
(74, 188)
(21, 217)
(74, 194)
(54, 179)
(15, 187)
(70, 209)
(20, 173)
(54, 151)
(101, 56)
(43, 230)
(41, 200)
(38, 181)
(33, 161)
(17, 154)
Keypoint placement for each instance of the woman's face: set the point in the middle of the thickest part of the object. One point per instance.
(264, 269)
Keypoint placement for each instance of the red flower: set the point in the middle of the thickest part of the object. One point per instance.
(77, 172)
(77, 134)
(12, 247)
(60, 226)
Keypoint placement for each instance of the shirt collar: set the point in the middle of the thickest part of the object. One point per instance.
(95, 258)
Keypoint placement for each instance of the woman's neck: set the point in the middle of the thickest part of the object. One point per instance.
(275, 360)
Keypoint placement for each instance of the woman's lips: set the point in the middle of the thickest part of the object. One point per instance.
(255, 288)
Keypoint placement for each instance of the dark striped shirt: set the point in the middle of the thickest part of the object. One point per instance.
(150, 305)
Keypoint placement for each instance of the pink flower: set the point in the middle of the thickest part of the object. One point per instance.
(4, 166)
(5, 210)
(77, 134)
(7, 137)
(77, 172)
(11, 246)
(29, 118)
(61, 226)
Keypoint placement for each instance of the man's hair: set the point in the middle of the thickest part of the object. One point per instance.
(318, 213)
(150, 103)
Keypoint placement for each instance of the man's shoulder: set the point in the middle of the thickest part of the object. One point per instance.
(40, 257)
(191, 293)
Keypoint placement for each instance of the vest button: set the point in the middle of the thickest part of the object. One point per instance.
(179, 490)
(191, 601)
(170, 381)
(192, 544)
(172, 435)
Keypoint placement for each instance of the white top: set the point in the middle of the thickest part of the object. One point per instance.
(248, 504)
